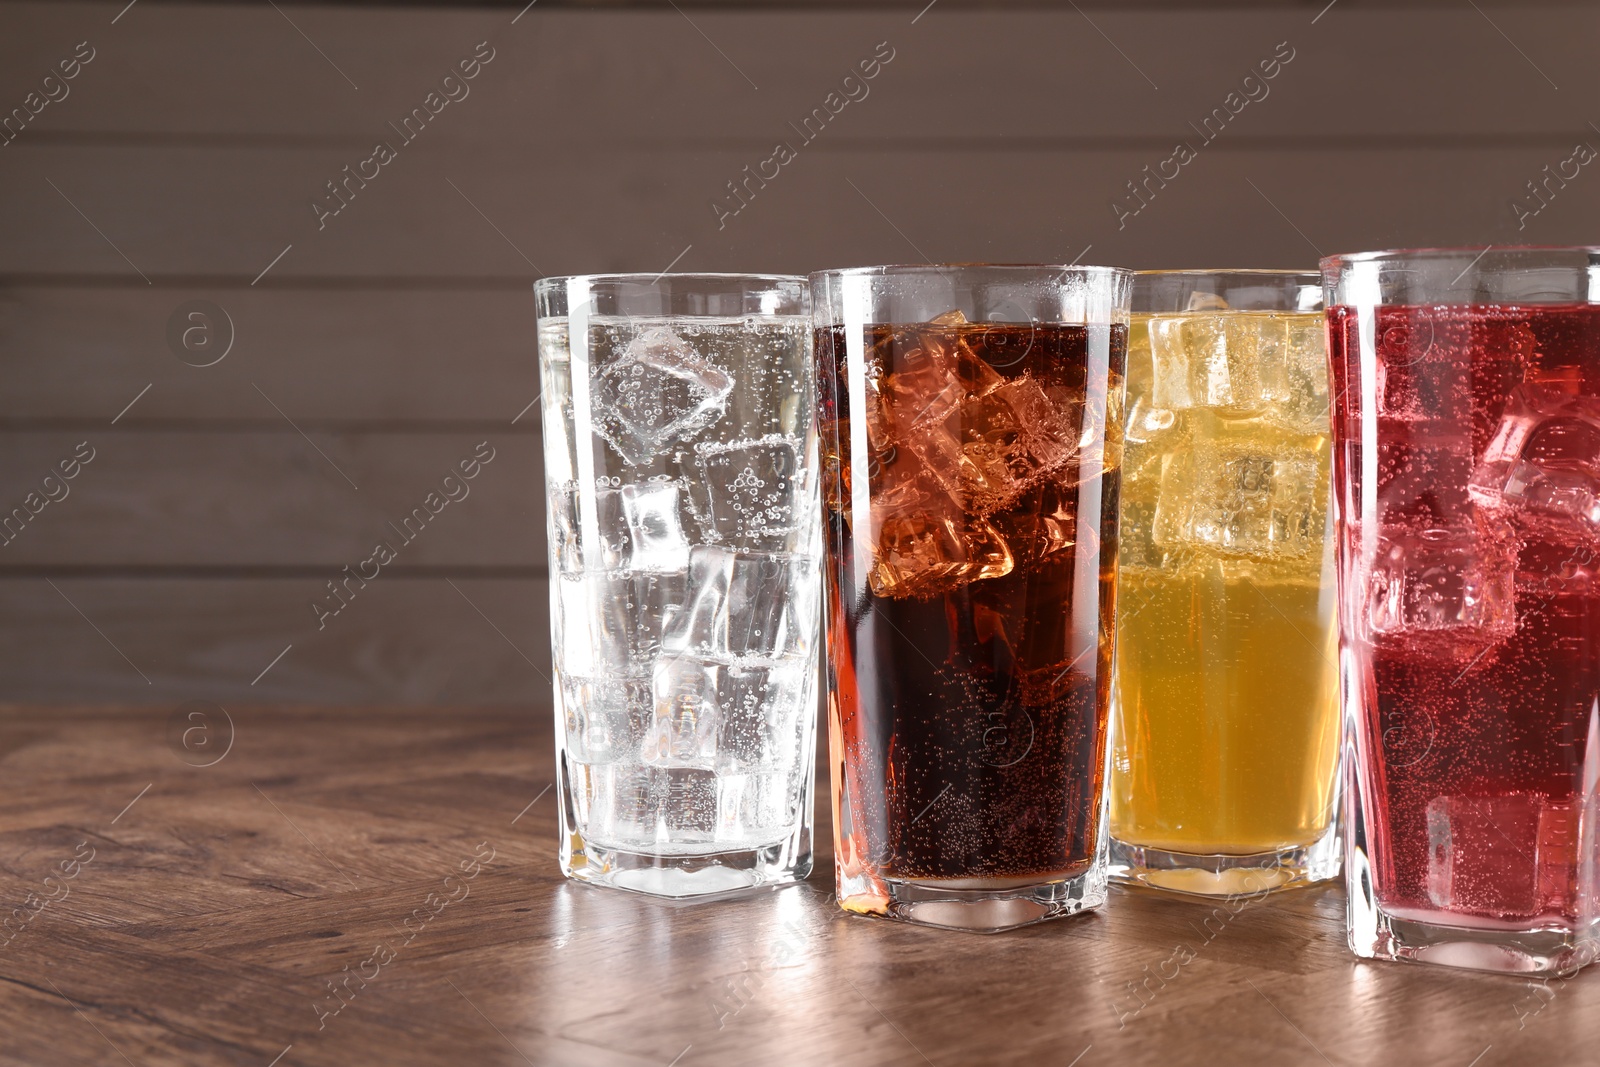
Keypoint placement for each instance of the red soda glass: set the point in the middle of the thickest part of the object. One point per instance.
(1466, 420)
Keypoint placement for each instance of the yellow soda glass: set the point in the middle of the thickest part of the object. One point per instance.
(1225, 741)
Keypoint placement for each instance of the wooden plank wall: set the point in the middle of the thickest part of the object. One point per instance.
(374, 349)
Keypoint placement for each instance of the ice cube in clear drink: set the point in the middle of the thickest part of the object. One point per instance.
(687, 716)
(749, 489)
(627, 614)
(564, 530)
(659, 390)
(743, 604)
(607, 718)
(757, 805)
(655, 529)
(643, 806)
(762, 712)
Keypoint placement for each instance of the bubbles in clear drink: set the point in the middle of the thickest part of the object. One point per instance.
(685, 555)
(750, 488)
(658, 390)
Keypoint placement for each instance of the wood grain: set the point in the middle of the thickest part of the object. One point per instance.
(219, 905)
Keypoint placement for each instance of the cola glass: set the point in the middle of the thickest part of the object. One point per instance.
(1467, 484)
(680, 465)
(970, 431)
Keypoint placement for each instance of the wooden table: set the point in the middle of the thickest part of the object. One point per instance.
(209, 908)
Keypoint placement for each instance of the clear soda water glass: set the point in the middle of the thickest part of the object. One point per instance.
(680, 467)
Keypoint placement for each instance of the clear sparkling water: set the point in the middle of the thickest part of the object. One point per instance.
(683, 549)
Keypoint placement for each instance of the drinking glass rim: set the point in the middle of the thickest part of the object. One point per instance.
(1439, 252)
(944, 268)
(552, 281)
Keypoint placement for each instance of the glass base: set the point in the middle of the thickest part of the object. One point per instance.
(1220, 875)
(1531, 951)
(699, 877)
(983, 905)
(1378, 934)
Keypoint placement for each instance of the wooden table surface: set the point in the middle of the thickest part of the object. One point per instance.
(198, 914)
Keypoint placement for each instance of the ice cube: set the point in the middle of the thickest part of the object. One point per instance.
(924, 372)
(1482, 854)
(612, 546)
(1543, 464)
(987, 449)
(756, 807)
(928, 543)
(745, 604)
(687, 717)
(835, 468)
(1041, 526)
(1295, 376)
(762, 705)
(1241, 364)
(564, 531)
(658, 542)
(1249, 496)
(574, 626)
(1207, 360)
(613, 622)
(639, 806)
(611, 526)
(1423, 373)
(1443, 591)
(659, 390)
(739, 715)
(607, 718)
(751, 490)
(688, 804)
(1559, 851)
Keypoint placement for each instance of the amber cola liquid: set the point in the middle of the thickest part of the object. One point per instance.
(970, 488)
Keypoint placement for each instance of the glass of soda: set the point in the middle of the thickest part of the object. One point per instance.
(681, 476)
(1225, 737)
(970, 424)
(1467, 484)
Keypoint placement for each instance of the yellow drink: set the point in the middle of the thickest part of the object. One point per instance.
(1226, 699)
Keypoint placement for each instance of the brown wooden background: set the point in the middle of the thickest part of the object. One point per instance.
(375, 353)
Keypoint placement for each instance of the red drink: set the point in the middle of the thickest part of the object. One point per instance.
(1467, 467)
